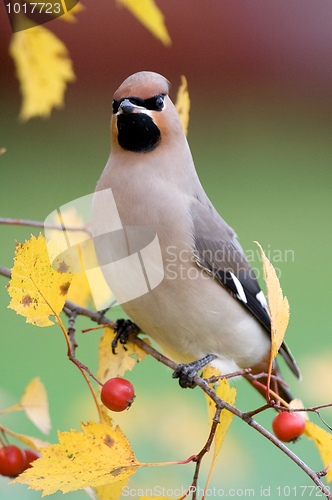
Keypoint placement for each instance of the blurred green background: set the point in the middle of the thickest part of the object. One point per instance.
(260, 79)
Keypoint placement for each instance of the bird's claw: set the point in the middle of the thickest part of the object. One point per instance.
(123, 328)
(186, 373)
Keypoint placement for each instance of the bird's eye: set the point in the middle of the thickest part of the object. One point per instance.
(159, 102)
(155, 103)
(115, 106)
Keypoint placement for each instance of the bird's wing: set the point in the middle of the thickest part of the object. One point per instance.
(218, 252)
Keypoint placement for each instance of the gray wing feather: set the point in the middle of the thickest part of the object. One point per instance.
(217, 251)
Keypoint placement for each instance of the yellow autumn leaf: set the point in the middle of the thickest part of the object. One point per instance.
(183, 104)
(111, 491)
(147, 12)
(36, 290)
(227, 393)
(278, 305)
(98, 456)
(115, 365)
(35, 404)
(43, 68)
(323, 442)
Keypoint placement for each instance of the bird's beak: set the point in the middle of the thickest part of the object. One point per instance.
(127, 107)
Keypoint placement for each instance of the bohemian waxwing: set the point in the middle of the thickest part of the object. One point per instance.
(174, 264)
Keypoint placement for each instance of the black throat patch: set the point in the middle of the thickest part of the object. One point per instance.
(137, 132)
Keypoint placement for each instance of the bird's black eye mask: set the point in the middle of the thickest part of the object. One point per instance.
(155, 103)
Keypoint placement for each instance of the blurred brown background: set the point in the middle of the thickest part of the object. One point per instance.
(221, 46)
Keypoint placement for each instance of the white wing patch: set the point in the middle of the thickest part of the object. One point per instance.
(261, 299)
(240, 290)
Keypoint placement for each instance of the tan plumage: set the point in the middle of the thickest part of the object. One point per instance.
(209, 302)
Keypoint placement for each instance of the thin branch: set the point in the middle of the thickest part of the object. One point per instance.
(35, 223)
(71, 348)
(315, 408)
(239, 373)
(74, 345)
(4, 271)
(322, 420)
(258, 410)
(206, 448)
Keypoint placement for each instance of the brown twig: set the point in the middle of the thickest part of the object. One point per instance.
(206, 448)
(35, 223)
(239, 373)
(4, 271)
(317, 413)
(72, 314)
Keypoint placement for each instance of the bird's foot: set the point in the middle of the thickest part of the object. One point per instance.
(187, 372)
(123, 329)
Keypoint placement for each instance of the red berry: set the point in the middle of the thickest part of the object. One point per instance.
(288, 426)
(12, 461)
(30, 456)
(117, 394)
